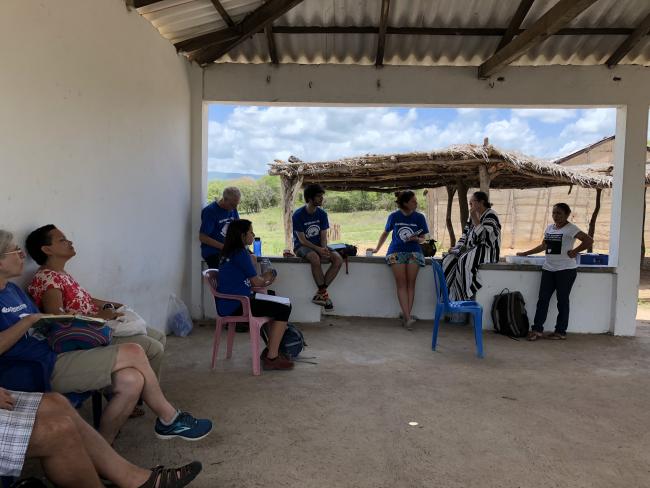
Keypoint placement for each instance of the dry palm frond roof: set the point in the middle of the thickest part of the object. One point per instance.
(439, 168)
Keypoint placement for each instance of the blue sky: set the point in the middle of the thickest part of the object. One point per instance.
(244, 139)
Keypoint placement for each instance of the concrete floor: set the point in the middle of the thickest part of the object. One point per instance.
(545, 414)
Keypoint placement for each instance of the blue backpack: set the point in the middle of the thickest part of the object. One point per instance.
(292, 343)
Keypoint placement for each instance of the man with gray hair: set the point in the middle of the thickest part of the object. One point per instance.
(215, 219)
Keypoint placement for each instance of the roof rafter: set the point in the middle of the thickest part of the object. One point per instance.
(628, 44)
(515, 23)
(224, 14)
(253, 22)
(552, 21)
(381, 39)
(270, 40)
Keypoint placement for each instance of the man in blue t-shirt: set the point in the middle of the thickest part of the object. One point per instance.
(310, 226)
(215, 219)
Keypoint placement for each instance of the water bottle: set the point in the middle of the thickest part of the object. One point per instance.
(257, 247)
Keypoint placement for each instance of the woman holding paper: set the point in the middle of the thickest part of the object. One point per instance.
(404, 254)
(237, 276)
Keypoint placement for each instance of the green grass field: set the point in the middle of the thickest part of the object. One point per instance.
(359, 228)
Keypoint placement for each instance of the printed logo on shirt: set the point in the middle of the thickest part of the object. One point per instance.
(225, 229)
(15, 309)
(405, 233)
(312, 231)
(553, 244)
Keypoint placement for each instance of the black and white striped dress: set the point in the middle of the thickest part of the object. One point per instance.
(479, 244)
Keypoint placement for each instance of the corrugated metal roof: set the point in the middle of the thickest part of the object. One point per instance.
(178, 20)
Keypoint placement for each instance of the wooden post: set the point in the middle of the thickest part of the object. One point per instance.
(484, 178)
(451, 191)
(290, 188)
(431, 210)
(532, 224)
(594, 216)
(462, 203)
(513, 220)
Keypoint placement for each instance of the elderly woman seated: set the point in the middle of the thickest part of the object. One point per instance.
(57, 292)
(124, 367)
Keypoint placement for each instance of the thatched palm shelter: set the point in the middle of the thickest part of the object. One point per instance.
(458, 168)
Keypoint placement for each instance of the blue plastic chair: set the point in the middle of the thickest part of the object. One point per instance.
(444, 306)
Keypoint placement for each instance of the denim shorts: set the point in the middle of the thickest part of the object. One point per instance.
(406, 258)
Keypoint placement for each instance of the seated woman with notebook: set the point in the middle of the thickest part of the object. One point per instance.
(238, 276)
(57, 292)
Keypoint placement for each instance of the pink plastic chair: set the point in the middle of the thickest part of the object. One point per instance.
(211, 276)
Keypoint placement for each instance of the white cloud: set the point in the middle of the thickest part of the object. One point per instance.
(252, 137)
(546, 115)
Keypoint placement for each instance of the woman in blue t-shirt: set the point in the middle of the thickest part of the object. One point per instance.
(404, 254)
(238, 276)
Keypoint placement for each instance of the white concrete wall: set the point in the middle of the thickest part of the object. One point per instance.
(95, 138)
(591, 298)
(369, 291)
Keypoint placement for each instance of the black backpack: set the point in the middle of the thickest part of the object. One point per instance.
(292, 343)
(509, 314)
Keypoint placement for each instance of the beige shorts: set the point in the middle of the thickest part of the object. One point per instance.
(80, 371)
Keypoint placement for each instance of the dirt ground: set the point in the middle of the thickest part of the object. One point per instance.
(529, 415)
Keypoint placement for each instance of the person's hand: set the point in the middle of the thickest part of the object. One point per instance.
(109, 314)
(269, 277)
(324, 252)
(7, 402)
(371, 250)
(572, 253)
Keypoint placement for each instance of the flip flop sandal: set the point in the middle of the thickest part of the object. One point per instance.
(162, 477)
(533, 335)
(556, 337)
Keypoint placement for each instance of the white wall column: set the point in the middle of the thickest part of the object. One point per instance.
(627, 212)
(198, 183)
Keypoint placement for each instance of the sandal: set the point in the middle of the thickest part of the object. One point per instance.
(534, 335)
(162, 477)
(554, 336)
(137, 412)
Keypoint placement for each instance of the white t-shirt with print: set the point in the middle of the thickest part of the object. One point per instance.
(558, 243)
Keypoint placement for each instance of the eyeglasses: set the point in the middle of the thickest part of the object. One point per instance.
(18, 251)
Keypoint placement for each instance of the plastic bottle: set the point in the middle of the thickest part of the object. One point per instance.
(257, 247)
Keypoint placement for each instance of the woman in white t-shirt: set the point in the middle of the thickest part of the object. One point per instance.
(559, 270)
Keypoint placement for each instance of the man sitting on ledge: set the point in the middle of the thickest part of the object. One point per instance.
(310, 226)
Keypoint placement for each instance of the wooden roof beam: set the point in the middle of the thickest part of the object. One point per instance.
(548, 24)
(381, 39)
(143, 3)
(628, 44)
(224, 14)
(270, 41)
(252, 23)
(515, 23)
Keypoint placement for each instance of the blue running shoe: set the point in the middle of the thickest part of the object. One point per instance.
(185, 426)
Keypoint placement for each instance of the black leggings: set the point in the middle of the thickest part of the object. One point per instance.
(264, 308)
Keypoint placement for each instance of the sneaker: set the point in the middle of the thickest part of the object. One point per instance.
(320, 299)
(409, 323)
(279, 362)
(401, 316)
(329, 306)
(185, 427)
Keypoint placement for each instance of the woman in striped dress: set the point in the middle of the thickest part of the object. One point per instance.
(480, 243)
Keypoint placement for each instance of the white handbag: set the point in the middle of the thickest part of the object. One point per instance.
(128, 324)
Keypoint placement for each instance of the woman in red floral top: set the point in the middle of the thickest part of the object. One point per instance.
(56, 292)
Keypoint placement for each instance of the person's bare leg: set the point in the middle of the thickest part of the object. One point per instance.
(411, 277)
(334, 268)
(132, 356)
(108, 464)
(56, 442)
(276, 331)
(127, 387)
(399, 272)
(316, 270)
